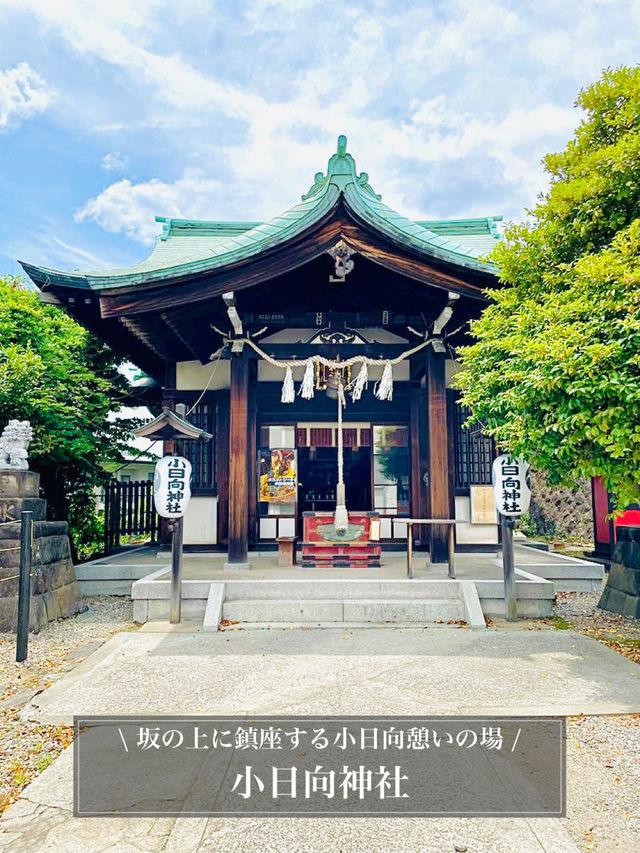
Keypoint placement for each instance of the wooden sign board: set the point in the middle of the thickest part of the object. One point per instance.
(483, 508)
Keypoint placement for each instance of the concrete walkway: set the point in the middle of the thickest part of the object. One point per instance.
(376, 671)
(178, 670)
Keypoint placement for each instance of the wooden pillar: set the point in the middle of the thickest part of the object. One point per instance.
(418, 445)
(439, 482)
(238, 463)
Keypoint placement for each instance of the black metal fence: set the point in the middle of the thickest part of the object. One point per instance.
(129, 512)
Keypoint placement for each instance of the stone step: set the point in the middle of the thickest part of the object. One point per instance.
(342, 589)
(363, 610)
(343, 626)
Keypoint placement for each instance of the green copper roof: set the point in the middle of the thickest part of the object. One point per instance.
(190, 246)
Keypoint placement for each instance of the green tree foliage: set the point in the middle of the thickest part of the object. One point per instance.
(554, 372)
(61, 378)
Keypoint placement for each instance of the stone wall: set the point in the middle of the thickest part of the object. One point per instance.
(622, 592)
(55, 591)
(564, 512)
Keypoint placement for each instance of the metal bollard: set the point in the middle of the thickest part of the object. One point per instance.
(24, 586)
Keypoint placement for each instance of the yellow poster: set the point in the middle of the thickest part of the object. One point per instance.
(278, 476)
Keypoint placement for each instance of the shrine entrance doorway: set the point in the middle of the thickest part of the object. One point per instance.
(376, 474)
(318, 461)
(317, 479)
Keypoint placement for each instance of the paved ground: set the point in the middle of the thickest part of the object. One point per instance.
(383, 671)
(333, 671)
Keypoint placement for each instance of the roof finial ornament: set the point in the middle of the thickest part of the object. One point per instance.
(341, 172)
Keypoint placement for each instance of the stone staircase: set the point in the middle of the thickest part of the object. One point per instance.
(357, 602)
(342, 603)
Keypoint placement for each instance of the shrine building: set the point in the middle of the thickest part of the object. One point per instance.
(263, 330)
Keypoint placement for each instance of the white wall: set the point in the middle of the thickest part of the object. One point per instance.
(201, 521)
(472, 534)
(193, 376)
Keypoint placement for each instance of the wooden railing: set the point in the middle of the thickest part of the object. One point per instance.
(129, 511)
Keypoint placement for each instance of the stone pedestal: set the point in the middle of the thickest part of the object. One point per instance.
(622, 592)
(55, 592)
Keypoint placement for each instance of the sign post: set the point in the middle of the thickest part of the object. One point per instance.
(512, 496)
(510, 599)
(176, 570)
(171, 495)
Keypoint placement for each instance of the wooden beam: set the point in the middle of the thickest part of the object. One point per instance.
(303, 351)
(239, 463)
(169, 322)
(445, 315)
(232, 312)
(439, 483)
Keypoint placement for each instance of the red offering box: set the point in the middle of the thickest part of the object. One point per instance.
(356, 550)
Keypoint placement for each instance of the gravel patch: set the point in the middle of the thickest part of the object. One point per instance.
(603, 753)
(580, 606)
(603, 783)
(26, 748)
(579, 611)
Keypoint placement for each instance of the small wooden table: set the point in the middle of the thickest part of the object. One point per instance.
(410, 522)
(286, 550)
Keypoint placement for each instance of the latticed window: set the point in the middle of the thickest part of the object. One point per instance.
(474, 451)
(201, 454)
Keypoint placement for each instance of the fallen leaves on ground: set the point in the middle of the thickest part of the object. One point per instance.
(26, 747)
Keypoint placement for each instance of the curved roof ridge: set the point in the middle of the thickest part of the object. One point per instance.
(413, 234)
(191, 246)
(263, 236)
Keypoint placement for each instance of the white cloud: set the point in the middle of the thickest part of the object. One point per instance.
(114, 161)
(23, 92)
(428, 94)
(129, 208)
(464, 36)
(517, 142)
(116, 32)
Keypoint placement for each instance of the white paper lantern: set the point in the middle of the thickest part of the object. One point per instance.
(172, 486)
(511, 485)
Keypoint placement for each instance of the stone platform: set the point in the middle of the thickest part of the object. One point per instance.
(55, 592)
(622, 592)
(271, 594)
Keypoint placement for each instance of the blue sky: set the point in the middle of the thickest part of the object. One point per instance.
(112, 112)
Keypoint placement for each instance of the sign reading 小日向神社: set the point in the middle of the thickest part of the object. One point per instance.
(172, 486)
(511, 485)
